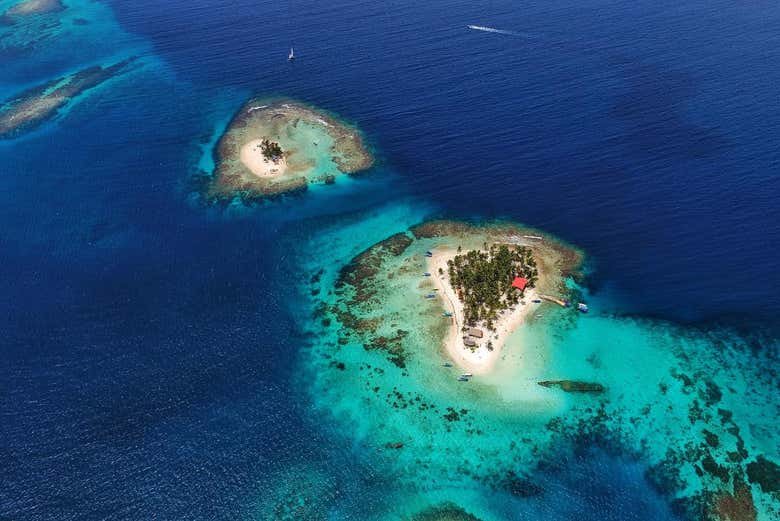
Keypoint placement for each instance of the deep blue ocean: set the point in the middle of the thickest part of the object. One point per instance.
(147, 349)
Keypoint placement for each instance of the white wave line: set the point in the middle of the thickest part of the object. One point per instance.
(497, 31)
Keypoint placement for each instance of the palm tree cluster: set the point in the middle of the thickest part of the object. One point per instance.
(271, 150)
(483, 279)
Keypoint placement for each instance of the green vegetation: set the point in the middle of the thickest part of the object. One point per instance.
(271, 150)
(483, 280)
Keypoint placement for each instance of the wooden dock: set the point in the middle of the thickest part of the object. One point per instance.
(555, 300)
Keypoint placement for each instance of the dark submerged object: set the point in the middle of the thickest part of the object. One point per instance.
(574, 386)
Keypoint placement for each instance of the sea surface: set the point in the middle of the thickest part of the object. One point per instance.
(157, 354)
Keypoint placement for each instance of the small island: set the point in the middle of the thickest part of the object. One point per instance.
(27, 8)
(475, 285)
(273, 147)
(30, 109)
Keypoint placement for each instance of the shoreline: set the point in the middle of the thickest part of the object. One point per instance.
(480, 360)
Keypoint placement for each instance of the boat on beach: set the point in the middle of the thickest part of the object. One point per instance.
(430, 295)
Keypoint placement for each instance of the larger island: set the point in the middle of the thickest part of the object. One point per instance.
(273, 147)
(481, 282)
(487, 292)
(472, 284)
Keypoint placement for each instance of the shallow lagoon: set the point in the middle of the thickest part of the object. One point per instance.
(665, 386)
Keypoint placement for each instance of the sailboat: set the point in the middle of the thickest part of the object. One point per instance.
(291, 56)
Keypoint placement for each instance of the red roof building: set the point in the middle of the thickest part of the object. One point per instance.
(520, 283)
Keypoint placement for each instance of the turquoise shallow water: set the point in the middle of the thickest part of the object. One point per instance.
(665, 386)
(166, 360)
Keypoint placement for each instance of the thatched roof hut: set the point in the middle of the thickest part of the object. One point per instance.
(477, 333)
(468, 342)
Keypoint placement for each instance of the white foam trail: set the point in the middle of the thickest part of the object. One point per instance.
(497, 31)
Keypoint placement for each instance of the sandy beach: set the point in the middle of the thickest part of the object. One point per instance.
(480, 360)
(252, 158)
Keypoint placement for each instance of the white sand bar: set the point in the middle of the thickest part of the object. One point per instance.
(252, 157)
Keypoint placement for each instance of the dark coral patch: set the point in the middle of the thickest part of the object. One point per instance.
(765, 473)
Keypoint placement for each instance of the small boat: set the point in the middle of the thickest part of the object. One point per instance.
(426, 274)
(291, 56)
(582, 307)
(447, 314)
(428, 254)
(536, 301)
(446, 364)
(466, 375)
(430, 295)
(463, 379)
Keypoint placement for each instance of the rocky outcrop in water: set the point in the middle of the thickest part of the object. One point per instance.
(30, 109)
(574, 386)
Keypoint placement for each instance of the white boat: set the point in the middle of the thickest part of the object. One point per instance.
(466, 375)
(291, 56)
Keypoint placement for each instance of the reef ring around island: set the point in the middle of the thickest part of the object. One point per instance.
(278, 146)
